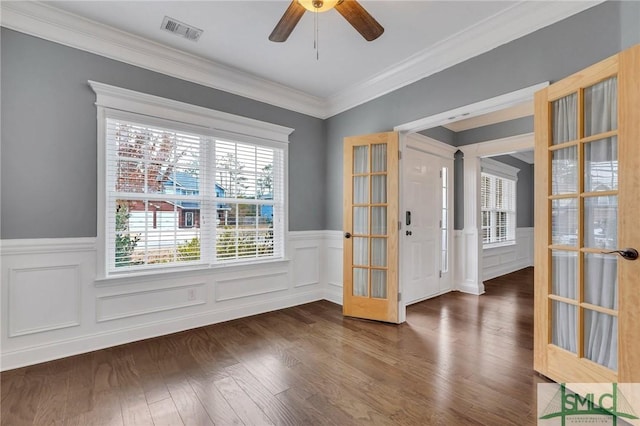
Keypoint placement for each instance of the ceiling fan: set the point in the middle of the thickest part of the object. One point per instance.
(351, 10)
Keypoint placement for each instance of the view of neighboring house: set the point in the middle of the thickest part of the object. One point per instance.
(164, 215)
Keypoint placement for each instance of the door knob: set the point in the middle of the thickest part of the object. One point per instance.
(347, 235)
(626, 253)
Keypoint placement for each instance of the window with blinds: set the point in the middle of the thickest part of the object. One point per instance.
(177, 197)
(498, 209)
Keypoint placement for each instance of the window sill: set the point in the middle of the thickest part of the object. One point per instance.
(182, 271)
(498, 245)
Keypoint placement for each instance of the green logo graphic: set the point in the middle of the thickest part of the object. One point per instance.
(566, 403)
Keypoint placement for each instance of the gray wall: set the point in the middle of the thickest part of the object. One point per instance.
(629, 23)
(524, 190)
(441, 134)
(48, 152)
(549, 54)
(491, 132)
(48, 132)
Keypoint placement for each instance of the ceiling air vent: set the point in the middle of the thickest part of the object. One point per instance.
(181, 29)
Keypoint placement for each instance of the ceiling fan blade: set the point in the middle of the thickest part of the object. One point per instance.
(360, 19)
(288, 22)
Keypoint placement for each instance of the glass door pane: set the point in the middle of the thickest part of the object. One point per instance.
(601, 107)
(583, 204)
(565, 119)
(564, 326)
(601, 165)
(564, 277)
(370, 219)
(601, 338)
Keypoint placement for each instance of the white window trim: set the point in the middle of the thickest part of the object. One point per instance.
(505, 171)
(499, 169)
(111, 100)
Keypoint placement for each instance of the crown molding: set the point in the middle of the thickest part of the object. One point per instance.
(507, 25)
(526, 156)
(47, 22)
(494, 167)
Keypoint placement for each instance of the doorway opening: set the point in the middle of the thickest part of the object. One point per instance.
(502, 128)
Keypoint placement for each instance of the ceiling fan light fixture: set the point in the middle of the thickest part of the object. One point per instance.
(318, 5)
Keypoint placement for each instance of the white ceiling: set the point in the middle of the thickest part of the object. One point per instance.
(235, 34)
(234, 53)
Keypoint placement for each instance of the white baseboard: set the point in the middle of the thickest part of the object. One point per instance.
(471, 288)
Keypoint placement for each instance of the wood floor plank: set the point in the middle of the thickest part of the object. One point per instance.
(189, 406)
(52, 404)
(242, 404)
(303, 408)
(165, 413)
(264, 399)
(252, 358)
(151, 378)
(133, 403)
(10, 384)
(458, 360)
(214, 402)
(105, 412)
(81, 379)
(22, 409)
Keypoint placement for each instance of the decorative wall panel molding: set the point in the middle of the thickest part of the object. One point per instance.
(130, 304)
(43, 299)
(306, 267)
(241, 287)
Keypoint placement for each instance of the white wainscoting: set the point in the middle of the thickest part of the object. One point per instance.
(333, 266)
(504, 260)
(465, 262)
(52, 306)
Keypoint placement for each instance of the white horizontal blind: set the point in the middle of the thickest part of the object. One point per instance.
(177, 198)
(250, 182)
(498, 209)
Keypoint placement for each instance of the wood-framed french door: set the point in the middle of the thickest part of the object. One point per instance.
(370, 206)
(587, 201)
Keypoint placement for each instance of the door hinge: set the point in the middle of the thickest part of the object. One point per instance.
(399, 225)
(399, 296)
(440, 174)
(399, 155)
(440, 223)
(440, 274)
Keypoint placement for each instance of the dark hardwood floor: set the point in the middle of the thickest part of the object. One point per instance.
(458, 360)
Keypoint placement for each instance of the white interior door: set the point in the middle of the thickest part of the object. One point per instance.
(424, 243)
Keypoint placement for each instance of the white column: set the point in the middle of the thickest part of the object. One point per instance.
(470, 259)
